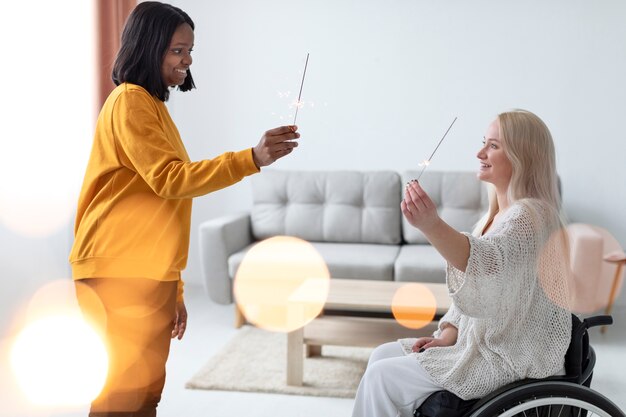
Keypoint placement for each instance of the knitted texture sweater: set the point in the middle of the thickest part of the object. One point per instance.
(134, 210)
(509, 306)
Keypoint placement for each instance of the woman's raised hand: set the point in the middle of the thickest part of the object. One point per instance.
(418, 208)
(275, 144)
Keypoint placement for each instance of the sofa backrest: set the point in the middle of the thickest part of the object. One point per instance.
(327, 206)
(461, 200)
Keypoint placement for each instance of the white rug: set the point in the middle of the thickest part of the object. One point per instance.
(255, 361)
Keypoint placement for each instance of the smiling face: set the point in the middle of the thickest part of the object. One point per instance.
(177, 59)
(495, 166)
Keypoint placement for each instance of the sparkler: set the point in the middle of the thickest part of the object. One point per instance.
(298, 102)
(426, 162)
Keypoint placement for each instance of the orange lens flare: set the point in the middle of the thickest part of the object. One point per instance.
(59, 361)
(414, 306)
(58, 357)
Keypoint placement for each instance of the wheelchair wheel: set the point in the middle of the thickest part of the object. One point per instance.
(549, 399)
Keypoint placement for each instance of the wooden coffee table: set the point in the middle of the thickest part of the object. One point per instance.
(356, 313)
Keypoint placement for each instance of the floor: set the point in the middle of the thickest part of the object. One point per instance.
(210, 327)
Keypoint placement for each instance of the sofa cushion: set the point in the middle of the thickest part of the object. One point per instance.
(345, 260)
(333, 206)
(461, 200)
(420, 263)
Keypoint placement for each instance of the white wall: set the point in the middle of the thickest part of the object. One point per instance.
(387, 77)
(47, 70)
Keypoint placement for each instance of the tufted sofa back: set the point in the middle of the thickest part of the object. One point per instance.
(461, 200)
(328, 206)
(358, 206)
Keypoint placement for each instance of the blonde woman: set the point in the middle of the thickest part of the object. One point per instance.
(509, 318)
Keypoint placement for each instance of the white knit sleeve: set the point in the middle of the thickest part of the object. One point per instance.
(452, 316)
(494, 262)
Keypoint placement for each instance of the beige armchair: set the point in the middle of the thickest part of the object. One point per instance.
(596, 260)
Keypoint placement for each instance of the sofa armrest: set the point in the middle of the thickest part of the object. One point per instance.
(220, 238)
(586, 251)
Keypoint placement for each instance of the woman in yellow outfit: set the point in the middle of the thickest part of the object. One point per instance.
(134, 210)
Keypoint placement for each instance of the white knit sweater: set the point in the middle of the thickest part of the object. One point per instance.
(508, 327)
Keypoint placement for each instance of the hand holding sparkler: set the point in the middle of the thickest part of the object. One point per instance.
(275, 144)
(279, 142)
(417, 207)
(421, 212)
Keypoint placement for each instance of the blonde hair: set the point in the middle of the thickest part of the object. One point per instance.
(528, 144)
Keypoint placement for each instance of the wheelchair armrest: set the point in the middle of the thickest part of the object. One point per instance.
(598, 321)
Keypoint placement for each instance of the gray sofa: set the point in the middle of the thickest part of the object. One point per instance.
(352, 218)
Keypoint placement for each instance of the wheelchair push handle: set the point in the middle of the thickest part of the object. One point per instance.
(598, 321)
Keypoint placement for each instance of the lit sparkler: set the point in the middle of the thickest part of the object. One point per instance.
(299, 103)
(426, 162)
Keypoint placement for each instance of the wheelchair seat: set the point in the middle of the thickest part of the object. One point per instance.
(566, 395)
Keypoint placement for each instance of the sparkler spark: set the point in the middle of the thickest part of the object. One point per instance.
(426, 162)
(298, 103)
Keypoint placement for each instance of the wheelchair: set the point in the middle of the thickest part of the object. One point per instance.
(568, 395)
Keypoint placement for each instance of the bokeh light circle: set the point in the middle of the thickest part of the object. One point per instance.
(414, 306)
(59, 360)
(554, 271)
(573, 271)
(281, 284)
(58, 357)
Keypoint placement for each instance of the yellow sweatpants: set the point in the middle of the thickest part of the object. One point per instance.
(135, 317)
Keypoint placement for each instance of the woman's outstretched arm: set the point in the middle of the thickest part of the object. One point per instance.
(421, 212)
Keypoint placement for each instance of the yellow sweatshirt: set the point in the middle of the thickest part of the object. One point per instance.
(134, 209)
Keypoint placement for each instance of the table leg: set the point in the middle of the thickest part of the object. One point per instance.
(609, 307)
(240, 319)
(313, 350)
(295, 359)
